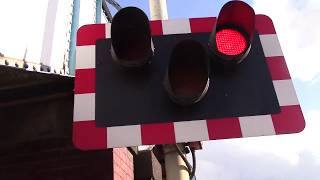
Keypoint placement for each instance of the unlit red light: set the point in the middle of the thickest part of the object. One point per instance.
(230, 42)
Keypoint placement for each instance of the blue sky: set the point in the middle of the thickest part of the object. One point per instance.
(182, 8)
(294, 156)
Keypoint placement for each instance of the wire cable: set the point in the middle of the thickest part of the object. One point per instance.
(194, 164)
(114, 4)
(184, 158)
(191, 169)
(106, 11)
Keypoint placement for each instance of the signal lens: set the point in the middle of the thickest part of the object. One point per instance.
(231, 42)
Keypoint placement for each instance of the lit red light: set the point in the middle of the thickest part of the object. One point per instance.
(230, 42)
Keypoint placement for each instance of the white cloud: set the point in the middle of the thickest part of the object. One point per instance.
(293, 156)
(296, 23)
(288, 146)
(87, 11)
(236, 164)
(22, 25)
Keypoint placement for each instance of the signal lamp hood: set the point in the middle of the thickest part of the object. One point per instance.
(131, 44)
(232, 35)
(187, 78)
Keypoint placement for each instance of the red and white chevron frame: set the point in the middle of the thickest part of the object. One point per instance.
(87, 136)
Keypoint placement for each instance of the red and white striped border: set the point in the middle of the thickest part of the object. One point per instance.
(87, 136)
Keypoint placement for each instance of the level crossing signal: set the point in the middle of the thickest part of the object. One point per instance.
(142, 82)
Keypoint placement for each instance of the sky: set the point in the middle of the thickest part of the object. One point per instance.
(284, 157)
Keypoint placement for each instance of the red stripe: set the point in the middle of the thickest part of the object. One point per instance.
(224, 128)
(85, 81)
(289, 120)
(86, 136)
(264, 25)
(156, 28)
(88, 34)
(162, 133)
(199, 25)
(278, 68)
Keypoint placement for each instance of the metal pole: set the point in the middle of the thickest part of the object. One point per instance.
(74, 28)
(98, 11)
(176, 169)
(158, 9)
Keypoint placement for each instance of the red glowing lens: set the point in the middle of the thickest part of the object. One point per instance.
(230, 42)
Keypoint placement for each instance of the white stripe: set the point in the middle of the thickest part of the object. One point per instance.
(121, 136)
(84, 107)
(285, 92)
(180, 26)
(271, 46)
(188, 131)
(108, 30)
(256, 126)
(85, 57)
